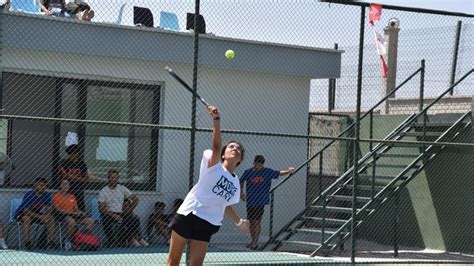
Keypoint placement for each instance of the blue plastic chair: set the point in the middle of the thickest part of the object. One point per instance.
(95, 212)
(169, 21)
(28, 6)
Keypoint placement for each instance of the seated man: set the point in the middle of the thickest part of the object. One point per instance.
(158, 230)
(121, 226)
(36, 208)
(65, 209)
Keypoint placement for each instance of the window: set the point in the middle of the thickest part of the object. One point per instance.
(39, 146)
(130, 150)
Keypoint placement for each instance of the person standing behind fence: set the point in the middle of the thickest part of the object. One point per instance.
(258, 180)
(201, 214)
(75, 170)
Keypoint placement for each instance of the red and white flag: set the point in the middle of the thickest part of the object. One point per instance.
(375, 13)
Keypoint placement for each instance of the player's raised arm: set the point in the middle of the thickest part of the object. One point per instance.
(216, 135)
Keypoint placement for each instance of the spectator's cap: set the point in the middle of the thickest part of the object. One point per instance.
(259, 159)
(74, 148)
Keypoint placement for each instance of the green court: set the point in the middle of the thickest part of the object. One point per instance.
(218, 256)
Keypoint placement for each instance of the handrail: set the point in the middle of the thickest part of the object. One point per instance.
(333, 184)
(444, 93)
(346, 130)
(384, 190)
(409, 120)
(400, 175)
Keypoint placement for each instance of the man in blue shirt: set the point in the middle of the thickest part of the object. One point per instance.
(258, 180)
(36, 208)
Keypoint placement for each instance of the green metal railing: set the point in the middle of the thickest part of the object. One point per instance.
(362, 213)
(404, 125)
(321, 152)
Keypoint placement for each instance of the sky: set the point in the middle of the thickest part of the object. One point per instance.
(463, 6)
(311, 24)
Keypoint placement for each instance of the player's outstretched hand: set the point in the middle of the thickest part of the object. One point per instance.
(291, 169)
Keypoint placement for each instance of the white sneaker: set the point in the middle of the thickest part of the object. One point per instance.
(135, 243)
(67, 245)
(143, 242)
(3, 245)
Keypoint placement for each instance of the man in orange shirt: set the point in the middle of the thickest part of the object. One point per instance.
(66, 210)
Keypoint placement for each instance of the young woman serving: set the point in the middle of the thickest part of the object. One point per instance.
(218, 188)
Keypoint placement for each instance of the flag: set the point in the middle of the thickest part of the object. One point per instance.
(382, 51)
(375, 13)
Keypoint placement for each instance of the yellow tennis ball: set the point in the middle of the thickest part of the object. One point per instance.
(229, 54)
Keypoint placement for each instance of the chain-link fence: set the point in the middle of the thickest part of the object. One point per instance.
(382, 166)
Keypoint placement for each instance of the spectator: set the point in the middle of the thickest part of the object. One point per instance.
(54, 8)
(65, 209)
(116, 203)
(36, 208)
(4, 5)
(176, 203)
(3, 245)
(75, 170)
(158, 224)
(258, 180)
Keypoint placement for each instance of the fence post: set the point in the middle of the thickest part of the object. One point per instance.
(455, 55)
(192, 142)
(422, 85)
(270, 232)
(395, 224)
(332, 90)
(357, 132)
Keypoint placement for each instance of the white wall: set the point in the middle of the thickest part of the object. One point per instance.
(247, 101)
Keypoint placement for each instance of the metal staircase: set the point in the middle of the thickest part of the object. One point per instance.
(325, 224)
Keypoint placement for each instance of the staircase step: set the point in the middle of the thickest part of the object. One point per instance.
(433, 124)
(365, 187)
(397, 155)
(326, 220)
(294, 242)
(401, 144)
(337, 209)
(347, 198)
(379, 177)
(397, 166)
(307, 230)
(421, 134)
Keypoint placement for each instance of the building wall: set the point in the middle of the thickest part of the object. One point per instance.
(279, 104)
